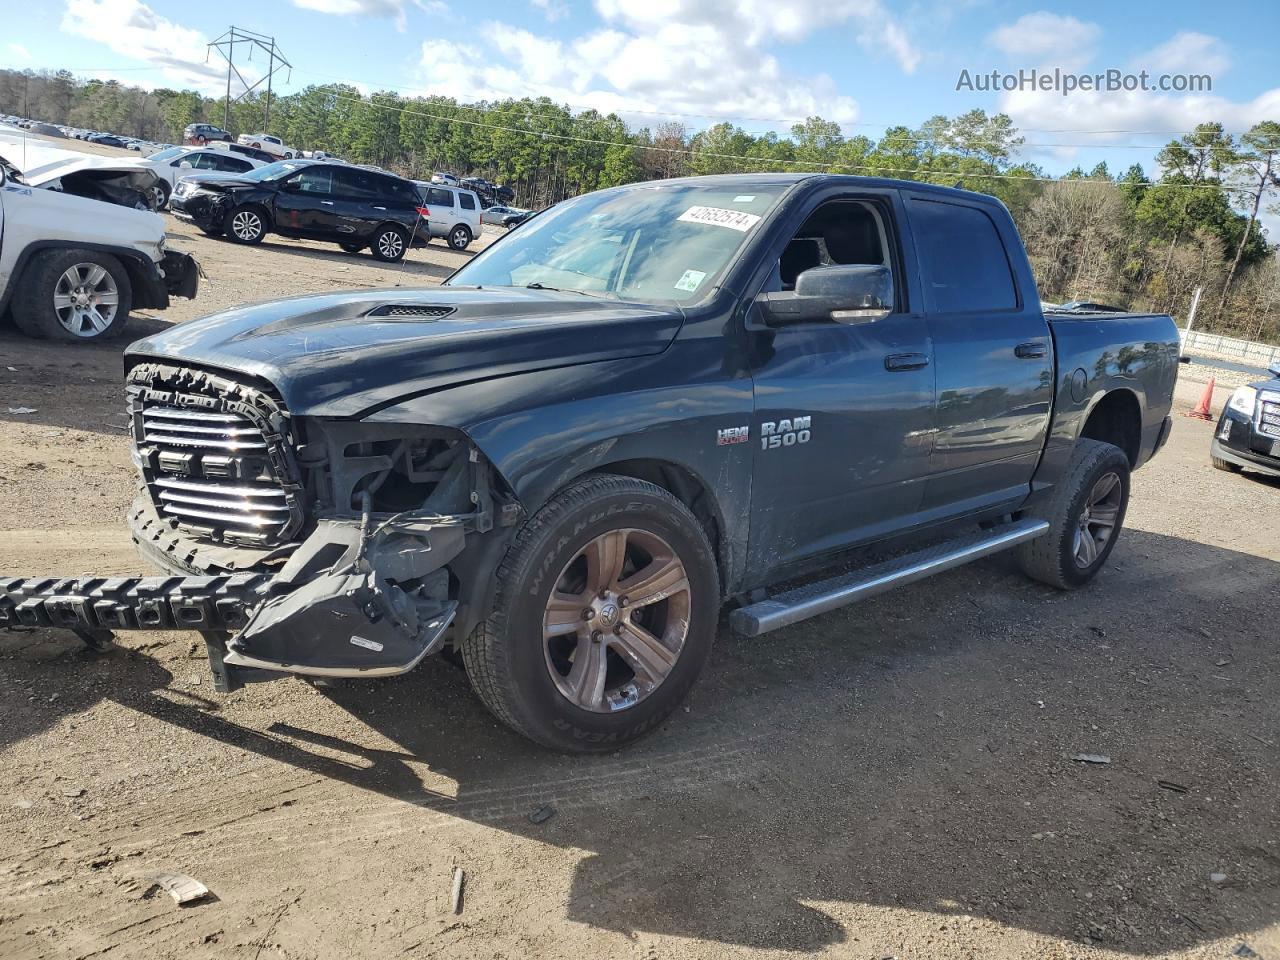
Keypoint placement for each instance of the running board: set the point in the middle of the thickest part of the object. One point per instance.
(813, 599)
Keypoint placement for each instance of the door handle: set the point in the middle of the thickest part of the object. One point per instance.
(906, 361)
(327, 203)
(1034, 350)
(379, 208)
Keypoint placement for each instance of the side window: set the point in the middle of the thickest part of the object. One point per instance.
(353, 184)
(205, 161)
(439, 197)
(236, 164)
(315, 180)
(467, 200)
(965, 264)
(838, 232)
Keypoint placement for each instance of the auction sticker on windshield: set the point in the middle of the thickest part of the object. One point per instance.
(720, 217)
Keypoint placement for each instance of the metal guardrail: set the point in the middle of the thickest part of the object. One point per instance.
(1261, 354)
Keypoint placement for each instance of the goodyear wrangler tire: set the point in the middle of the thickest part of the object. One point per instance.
(1085, 518)
(604, 616)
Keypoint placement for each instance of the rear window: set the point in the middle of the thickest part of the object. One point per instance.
(439, 197)
(965, 264)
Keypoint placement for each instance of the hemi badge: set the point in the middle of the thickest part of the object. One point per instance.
(732, 435)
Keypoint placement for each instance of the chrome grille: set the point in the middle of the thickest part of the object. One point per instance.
(1269, 417)
(209, 466)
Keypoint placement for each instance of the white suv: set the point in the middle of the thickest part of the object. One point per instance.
(264, 141)
(450, 212)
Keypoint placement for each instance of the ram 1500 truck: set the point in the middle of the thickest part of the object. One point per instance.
(644, 404)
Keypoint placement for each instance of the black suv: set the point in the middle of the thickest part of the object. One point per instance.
(350, 206)
(201, 133)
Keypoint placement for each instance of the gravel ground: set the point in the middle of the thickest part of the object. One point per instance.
(890, 780)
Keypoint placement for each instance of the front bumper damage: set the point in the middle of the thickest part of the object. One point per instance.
(354, 600)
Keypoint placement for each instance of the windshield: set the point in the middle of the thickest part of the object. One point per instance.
(648, 242)
(274, 171)
(169, 154)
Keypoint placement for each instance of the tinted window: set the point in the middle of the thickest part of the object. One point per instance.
(467, 200)
(314, 180)
(233, 164)
(439, 197)
(404, 191)
(355, 184)
(204, 161)
(964, 260)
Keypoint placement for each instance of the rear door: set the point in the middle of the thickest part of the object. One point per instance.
(442, 215)
(993, 354)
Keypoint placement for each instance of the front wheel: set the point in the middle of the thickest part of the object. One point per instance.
(1085, 518)
(245, 225)
(604, 616)
(388, 245)
(75, 295)
(160, 195)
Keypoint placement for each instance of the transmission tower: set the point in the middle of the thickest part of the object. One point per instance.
(226, 46)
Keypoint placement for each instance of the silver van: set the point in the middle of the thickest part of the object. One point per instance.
(450, 212)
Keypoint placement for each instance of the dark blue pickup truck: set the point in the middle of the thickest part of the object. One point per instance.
(781, 393)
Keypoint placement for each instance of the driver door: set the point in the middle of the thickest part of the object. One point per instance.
(305, 203)
(844, 412)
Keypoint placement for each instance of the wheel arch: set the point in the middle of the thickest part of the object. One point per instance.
(144, 276)
(1116, 418)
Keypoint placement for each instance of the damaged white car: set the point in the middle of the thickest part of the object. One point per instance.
(125, 182)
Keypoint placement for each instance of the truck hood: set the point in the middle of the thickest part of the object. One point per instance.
(350, 354)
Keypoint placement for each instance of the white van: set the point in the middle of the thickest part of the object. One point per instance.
(450, 212)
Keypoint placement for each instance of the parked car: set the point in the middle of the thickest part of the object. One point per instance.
(47, 130)
(107, 140)
(268, 144)
(199, 134)
(502, 216)
(315, 200)
(209, 162)
(648, 402)
(452, 213)
(72, 268)
(445, 178)
(1248, 432)
(48, 166)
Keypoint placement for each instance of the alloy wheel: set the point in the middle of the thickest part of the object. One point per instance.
(458, 239)
(246, 225)
(391, 245)
(86, 299)
(616, 620)
(1097, 521)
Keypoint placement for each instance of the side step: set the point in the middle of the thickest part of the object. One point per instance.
(812, 599)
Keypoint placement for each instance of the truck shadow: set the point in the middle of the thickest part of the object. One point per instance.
(890, 757)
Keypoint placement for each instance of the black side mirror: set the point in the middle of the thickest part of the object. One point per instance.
(845, 293)
(291, 186)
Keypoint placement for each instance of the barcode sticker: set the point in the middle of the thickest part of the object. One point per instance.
(720, 217)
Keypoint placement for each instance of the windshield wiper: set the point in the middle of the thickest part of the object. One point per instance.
(601, 295)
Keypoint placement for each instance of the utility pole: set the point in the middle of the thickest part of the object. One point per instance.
(1191, 314)
(226, 46)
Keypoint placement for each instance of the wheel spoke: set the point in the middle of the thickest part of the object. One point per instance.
(1103, 515)
(61, 301)
(96, 275)
(586, 679)
(645, 653)
(564, 614)
(1086, 547)
(605, 555)
(1103, 487)
(663, 577)
(108, 298)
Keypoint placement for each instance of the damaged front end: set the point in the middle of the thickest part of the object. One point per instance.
(137, 188)
(297, 545)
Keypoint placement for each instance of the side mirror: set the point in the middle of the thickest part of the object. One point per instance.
(845, 293)
(291, 186)
(185, 165)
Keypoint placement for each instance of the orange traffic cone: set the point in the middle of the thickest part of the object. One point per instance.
(1201, 412)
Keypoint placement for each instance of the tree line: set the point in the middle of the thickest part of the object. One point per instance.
(1131, 239)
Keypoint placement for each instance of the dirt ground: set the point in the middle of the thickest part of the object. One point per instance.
(890, 780)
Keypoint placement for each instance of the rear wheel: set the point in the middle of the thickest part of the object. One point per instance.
(459, 237)
(245, 224)
(1085, 518)
(73, 295)
(388, 244)
(604, 616)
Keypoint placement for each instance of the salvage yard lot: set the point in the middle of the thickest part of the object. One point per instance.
(893, 779)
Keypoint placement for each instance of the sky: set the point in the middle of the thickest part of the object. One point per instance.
(763, 64)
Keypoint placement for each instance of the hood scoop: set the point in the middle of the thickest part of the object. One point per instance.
(409, 311)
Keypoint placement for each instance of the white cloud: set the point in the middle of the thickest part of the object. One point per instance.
(1190, 52)
(553, 10)
(21, 52)
(394, 10)
(700, 59)
(1046, 38)
(132, 29)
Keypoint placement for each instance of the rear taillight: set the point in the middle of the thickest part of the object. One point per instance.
(424, 213)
